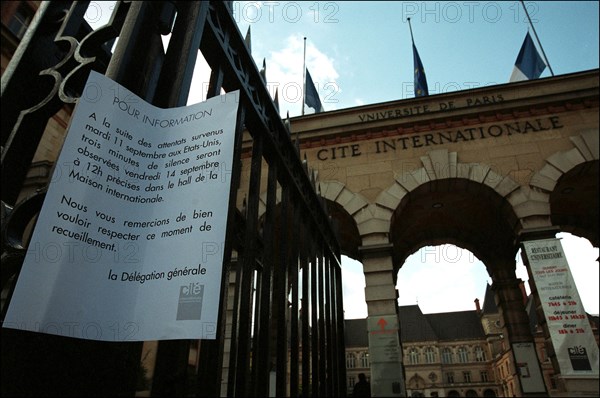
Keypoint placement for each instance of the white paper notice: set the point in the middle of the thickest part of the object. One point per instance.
(570, 331)
(129, 243)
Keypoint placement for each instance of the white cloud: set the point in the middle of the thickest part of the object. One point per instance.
(284, 72)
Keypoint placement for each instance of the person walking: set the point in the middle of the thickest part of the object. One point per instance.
(362, 388)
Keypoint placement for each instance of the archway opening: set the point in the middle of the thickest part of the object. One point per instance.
(442, 278)
(353, 288)
(460, 230)
(456, 211)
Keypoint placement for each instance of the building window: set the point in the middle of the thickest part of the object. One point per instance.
(351, 381)
(429, 355)
(467, 377)
(463, 355)
(413, 356)
(364, 360)
(446, 355)
(350, 361)
(450, 377)
(479, 354)
(484, 375)
(21, 19)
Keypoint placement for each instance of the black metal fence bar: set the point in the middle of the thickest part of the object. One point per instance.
(314, 320)
(330, 344)
(37, 68)
(321, 269)
(292, 265)
(263, 353)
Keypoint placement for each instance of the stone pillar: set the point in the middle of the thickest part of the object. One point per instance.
(525, 369)
(385, 349)
(511, 304)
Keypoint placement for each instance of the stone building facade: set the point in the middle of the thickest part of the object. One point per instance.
(454, 354)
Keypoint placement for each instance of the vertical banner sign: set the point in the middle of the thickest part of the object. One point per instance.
(385, 356)
(129, 242)
(574, 343)
(528, 368)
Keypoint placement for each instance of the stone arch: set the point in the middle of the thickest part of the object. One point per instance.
(345, 207)
(334, 191)
(441, 164)
(441, 168)
(560, 169)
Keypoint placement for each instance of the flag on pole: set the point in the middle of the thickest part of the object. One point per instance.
(311, 98)
(420, 79)
(529, 64)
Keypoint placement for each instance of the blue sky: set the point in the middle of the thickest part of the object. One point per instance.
(359, 52)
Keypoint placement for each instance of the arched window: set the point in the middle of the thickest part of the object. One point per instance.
(479, 354)
(429, 355)
(416, 382)
(413, 356)
(463, 355)
(350, 361)
(446, 355)
(364, 360)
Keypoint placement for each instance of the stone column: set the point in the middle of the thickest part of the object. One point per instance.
(511, 303)
(385, 349)
(510, 298)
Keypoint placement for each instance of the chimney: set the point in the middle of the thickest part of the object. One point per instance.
(477, 307)
(523, 291)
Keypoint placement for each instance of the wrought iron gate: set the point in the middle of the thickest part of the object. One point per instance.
(280, 328)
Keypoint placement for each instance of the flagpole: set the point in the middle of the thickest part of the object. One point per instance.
(537, 38)
(304, 77)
